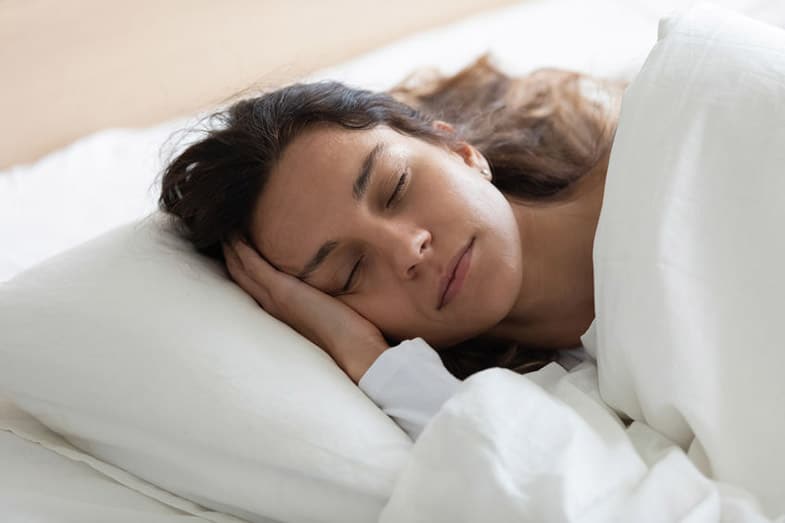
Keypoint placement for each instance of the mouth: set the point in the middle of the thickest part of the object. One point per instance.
(455, 275)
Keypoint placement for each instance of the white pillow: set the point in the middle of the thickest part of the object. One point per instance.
(143, 353)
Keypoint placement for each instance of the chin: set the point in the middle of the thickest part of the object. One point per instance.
(499, 298)
(447, 341)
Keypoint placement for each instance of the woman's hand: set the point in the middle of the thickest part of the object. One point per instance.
(351, 340)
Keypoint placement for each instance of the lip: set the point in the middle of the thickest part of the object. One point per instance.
(452, 281)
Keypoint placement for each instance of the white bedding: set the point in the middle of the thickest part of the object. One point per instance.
(44, 478)
(106, 179)
(37, 484)
(690, 251)
(542, 447)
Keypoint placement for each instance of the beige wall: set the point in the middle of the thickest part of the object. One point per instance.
(70, 68)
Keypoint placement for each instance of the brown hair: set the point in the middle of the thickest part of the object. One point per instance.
(539, 133)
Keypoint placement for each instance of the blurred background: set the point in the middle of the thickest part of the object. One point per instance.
(71, 68)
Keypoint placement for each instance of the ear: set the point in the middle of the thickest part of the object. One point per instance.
(444, 126)
(474, 159)
(470, 155)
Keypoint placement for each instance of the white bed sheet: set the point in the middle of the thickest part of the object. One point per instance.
(106, 179)
(44, 478)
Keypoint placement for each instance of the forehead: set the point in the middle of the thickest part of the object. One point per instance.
(308, 195)
(322, 151)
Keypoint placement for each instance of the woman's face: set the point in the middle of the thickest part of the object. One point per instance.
(404, 243)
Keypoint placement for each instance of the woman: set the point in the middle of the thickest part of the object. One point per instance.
(460, 211)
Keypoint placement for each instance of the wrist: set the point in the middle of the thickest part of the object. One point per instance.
(366, 358)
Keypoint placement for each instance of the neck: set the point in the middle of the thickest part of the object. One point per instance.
(556, 303)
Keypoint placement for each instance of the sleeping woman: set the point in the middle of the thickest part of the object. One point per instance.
(453, 216)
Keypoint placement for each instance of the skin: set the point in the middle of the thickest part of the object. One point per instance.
(530, 278)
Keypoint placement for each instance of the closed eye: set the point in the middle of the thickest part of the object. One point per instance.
(399, 185)
(348, 284)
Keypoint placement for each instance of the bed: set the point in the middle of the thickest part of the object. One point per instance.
(66, 198)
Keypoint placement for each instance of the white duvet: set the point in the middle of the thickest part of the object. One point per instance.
(689, 259)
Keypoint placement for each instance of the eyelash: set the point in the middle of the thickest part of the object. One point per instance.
(351, 276)
(393, 198)
(396, 192)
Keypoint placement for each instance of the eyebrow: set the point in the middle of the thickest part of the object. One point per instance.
(359, 190)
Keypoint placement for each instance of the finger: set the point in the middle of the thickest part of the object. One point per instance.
(237, 269)
(252, 260)
(257, 269)
(236, 252)
(252, 287)
(233, 262)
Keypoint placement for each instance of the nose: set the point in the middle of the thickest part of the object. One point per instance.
(406, 247)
